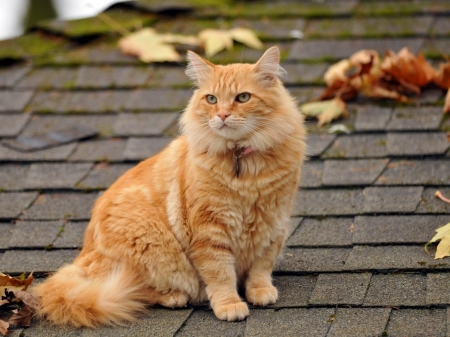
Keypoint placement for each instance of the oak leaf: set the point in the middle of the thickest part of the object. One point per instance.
(406, 66)
(442, 76)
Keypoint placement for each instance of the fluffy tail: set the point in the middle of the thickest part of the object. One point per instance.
(68, 297)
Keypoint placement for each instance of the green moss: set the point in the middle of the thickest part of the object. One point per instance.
(382, 8)
(381, 142)
(126, 18)
(422, 263)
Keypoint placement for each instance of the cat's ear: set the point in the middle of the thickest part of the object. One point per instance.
(198, 69)
(268, 66)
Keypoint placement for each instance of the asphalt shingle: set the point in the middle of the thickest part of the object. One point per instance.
(47, 78)
(12, 177)
(56, 175)
(14, 100)
(423, 322)
(143, 148)
(205, 323)
(437, 288)
(366, 322)
(108, 77)
(144, 124)
(13, 204)
(352, 172)
(430, 204)
(9, 76)
(11, 125)
(294, 291)
(358, 146)
(391, 199)
(7, 230)
(103, 175)
(415, 172)
(417, 144)
(318, 143)
(35, 234)
(372, 118)
(424, 118)
(53, 154)
(311, 175)
(108, 150)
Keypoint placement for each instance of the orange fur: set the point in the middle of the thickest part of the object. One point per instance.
(181, 226)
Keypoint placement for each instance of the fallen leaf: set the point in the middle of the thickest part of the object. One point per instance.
(337, 72)
(4, 328)
(215, 40)
(339, 128)
(27, 298)
(15, 283)
(325, 111)
(406, 66)
(441, 232)
(21, 317)
(443, 248)
(447, 102)
(247, 37)
(442, 76)
(439, 195)
(150, 46)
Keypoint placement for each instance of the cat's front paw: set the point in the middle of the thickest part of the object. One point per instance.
(232, 312)
(262, 296)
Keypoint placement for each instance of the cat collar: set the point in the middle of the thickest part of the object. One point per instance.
(238, 153)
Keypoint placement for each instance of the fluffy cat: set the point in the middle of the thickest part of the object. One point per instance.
(205, 216)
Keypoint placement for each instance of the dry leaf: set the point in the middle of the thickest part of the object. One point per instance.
(21, 317)
(150, 46)
(325, 111)
(247, 37)
(27, 298)
(215, 40)
(442, 76)
(337, 73)
(407, 67)
(4, 328)
(443, 248)
(447, 102)
(14, 283)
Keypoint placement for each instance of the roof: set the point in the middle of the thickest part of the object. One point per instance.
(354, 264)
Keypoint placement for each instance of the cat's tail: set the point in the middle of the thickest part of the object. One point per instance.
(69, 297)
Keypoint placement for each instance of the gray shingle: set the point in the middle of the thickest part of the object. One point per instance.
(304, 73)
(157, 100)
(391, 199)
(205, 323)
(397, 290)
(423, 322)
(12, 177)
(9, 76)
(13, 204)
(107, 76)
(61, 206)
(430, 204)
(72, 236)
(14, 100)
(143, 148)
(423, 118)
(39, 261)
(322, 233)
(352, 172)
(340, 289)
(372, 118)
(316, 49)
(170, 77)
(304, 94)
(312, 260)
(317, 143)
(103, 175)
(328, 202)
(388, 257)
(35, 234)
(416, 172)
(7, 231)
(11, 125)
(294, 291)
(56, 175)
(144, 124)
(358, 146)
(311, 175)
(111, 150)
(396, 229)
(288, 322)
(46, 78)
(367, 322)
(417, 144)
(437, 288)
(56, 153)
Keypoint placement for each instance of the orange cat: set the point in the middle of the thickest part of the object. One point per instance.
(207, 215)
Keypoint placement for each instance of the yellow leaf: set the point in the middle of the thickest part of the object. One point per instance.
(247, 37)
(181, 39)
(443, 248)
(215, 40)
(149, 47)
(325, 111)
(447, 102)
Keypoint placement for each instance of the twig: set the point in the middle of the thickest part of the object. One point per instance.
(113, 24)
(439, 195)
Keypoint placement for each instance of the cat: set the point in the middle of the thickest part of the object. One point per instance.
(205, 217)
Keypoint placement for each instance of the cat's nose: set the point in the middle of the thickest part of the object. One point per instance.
(223, 115)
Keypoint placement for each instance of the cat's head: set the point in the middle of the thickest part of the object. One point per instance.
(237, 105)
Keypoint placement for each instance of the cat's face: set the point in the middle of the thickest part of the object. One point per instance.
(236, 105)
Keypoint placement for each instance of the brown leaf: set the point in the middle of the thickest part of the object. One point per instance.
(407, 67)
(27, 298)
(21, 317)
(442, 76)
(14, 283)
(337, 73)
(447, 102)
(4, 328)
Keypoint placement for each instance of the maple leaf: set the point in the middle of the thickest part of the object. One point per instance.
(150, 46)
(407, 67)
(442, 76)
(442, 235)
(325, 111)
(216, 40)
(14, 283)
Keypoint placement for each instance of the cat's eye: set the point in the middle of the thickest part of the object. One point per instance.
(244, 97)
(211, 99)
